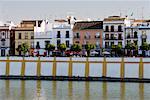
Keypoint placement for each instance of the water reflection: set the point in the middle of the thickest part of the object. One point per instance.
(63, 90)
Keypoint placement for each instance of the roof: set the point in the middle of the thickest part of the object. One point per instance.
(114, 18)
(88, 25)
(24, 29)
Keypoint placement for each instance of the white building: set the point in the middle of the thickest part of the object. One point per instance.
(113, 31)
(138, 32)
(42, 35)
(62, 33)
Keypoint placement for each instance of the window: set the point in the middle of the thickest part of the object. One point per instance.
(58, 42)
(32, 44)
(32, 35)
(58, 34)
(119, 28)
(3, 33)
(19, 35)
(120, 37)
(67, 43)
(77, 35)
(26, 35)
(112, 36)
(106, 44)
(3, 42)
(112, 28)
(135, 35)
(87, 35)
(37, 45)
(106, 36)
(97, 35)
(112, 43)
(67, 34)
(106, 28)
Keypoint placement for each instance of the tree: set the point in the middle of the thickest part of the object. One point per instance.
(144, 47)
(23, 48)
(89, 47)
(131, 46)
(62, 47)
(50, 47)
(75, 47)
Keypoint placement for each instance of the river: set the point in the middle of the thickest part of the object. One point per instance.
(64, 90)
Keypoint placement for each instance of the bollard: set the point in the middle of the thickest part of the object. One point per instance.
(23, 67)
(7, 67)
(104, 67)
(54, 67)
(141, 68)
(122, 69)
(39, 67)
(70, 67)
(87, 68)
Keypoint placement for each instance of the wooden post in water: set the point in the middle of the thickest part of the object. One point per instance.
(23, 67)
(7, 66)
(87, 67)
(122, 68)
(54, 67)
(39, 67)
(104, 67)
(141, 68)
(70, 67)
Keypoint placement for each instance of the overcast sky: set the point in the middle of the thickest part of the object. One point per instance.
(16, 10)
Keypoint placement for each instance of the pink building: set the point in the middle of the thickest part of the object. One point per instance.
(88, 32)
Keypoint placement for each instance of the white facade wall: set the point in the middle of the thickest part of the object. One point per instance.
(42, 34)
(4, 40)
(115, 24)
(62, 28)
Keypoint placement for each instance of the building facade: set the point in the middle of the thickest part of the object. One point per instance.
(24, 33)
(88, 32)
(113, 31)
(6, 40)
(42, 35)
(62, 33)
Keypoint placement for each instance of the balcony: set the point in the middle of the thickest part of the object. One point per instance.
(132, 37)
(113, 38)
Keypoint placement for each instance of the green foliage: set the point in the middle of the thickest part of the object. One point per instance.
(75, 47)
(145, 46)
(89, 47)
(23, 47)
(50, 47)
(61, 47)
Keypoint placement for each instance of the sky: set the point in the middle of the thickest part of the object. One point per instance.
(17, 10)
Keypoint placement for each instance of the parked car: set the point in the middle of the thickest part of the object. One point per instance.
(56, 53)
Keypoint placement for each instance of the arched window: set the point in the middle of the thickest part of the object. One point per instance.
(106, 28)
(119, 28)
(112, 28)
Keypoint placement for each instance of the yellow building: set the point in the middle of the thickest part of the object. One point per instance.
(24, 33)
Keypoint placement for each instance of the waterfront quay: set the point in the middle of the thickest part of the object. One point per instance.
(76, 68)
